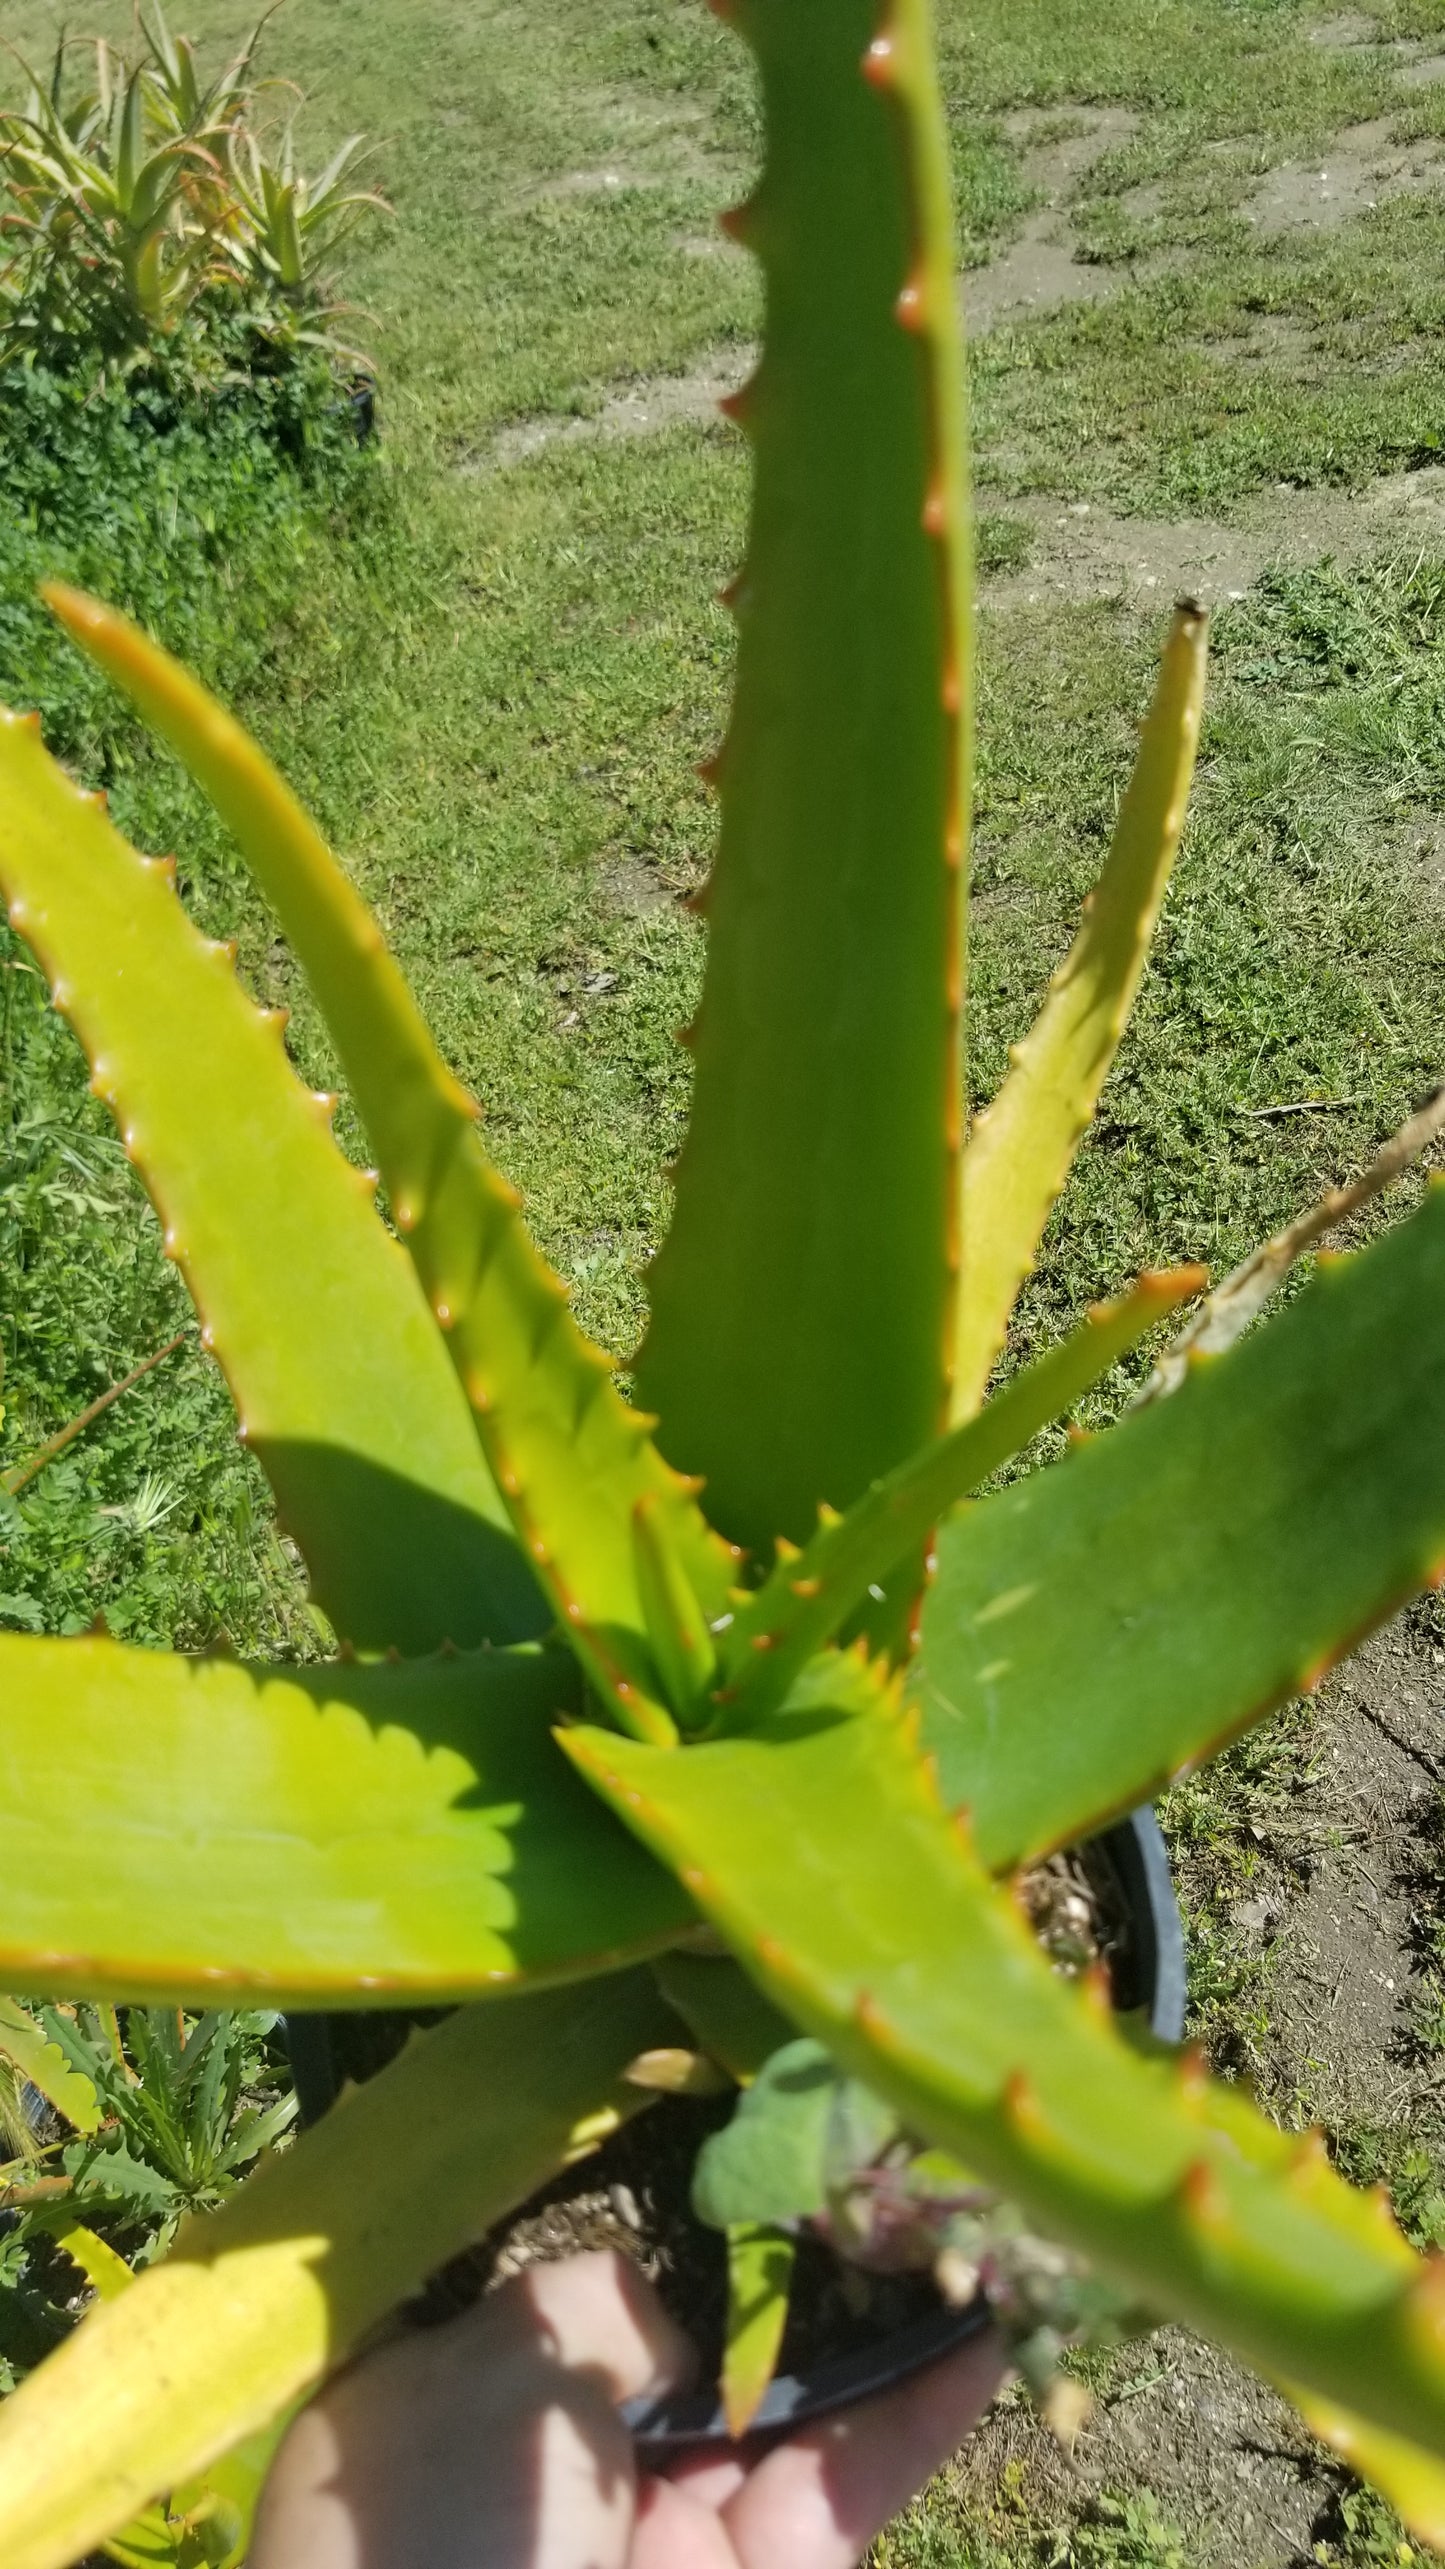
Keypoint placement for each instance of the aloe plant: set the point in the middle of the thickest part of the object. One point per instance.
(753, 1659)
(145, 194)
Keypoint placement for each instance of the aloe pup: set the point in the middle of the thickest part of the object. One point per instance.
(609, 1674)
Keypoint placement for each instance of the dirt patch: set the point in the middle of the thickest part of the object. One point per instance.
(1226, 2457)
(638, 409)
(611, 181)
(1042, 268)
(1082, 552)
(1344, 32)
(1341, 1907)
(632, 888)
(1364, 167)
(648, 144)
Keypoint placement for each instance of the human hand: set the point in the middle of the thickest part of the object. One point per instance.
(494, 2443)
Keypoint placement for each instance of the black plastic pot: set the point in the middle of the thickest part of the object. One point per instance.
(665, 2428)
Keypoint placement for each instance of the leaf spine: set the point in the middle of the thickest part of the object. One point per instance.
(736, 222)
(739, 406)
(1201, 2196)
(880, 62)
(1096, 1990)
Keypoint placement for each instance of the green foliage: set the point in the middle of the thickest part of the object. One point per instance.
(1113, 2532)
(143, 198)
(1046, 1637)
(189, 492)
(298, 2267)
(800, 1348)
(154, 2114)
(1366, 2534)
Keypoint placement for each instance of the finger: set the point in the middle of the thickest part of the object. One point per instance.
(818, 2501)
(710, 2478)
(594, 2315)
(491, 2444)
(676, 2529)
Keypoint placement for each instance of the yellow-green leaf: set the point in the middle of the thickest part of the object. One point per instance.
(1022, 1146)
(258, 2301)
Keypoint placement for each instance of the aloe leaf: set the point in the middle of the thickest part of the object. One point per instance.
(257, 2301)
(573, 1460)
(760, 2279)
(1022, 1147)
(206, 2521)
(43, 2062)
(318, 1836)
(723, 2011)
(812, 1593)
(342, 1388)
(1414, 2482)
(801, 1303)
(824, 1854)
(1098, 1628)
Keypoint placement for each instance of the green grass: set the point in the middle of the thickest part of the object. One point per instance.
(494, 685)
